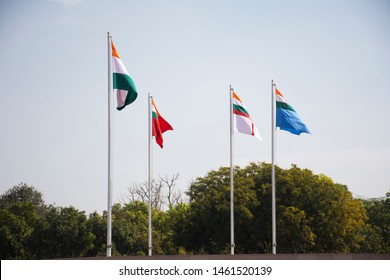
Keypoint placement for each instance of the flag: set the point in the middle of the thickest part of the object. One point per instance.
(287, 118)
(122, 82)
(159, 125)
(242, 120)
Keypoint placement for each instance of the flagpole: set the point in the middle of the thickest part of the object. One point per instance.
(231, 174)
(150, 151)
(273, 127)
(109, 195)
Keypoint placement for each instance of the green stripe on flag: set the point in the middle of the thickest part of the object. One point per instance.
(123, 81)
(240, 108)
(285, 106)
(154, 115)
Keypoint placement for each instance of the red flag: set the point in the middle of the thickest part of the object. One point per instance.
(159, 125)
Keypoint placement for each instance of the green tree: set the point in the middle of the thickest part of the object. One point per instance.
(31, 230)
(378, 235)
(21, 193)
(337, 219)
(209, 215)
(130, 228)
(63, 233)
(20, 209)
(17, 224)
(314, 214)
(97, 225)
(295, 230)
(172, 228)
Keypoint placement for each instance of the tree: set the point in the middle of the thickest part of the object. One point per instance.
(130, 228)
(172, 228)
(17, 224)
(20, 210)
(378, 235)
(295, 230)
(337, 219)
(173, 196)
(140, 192)
(21, 193)
(63, 233)
(97, 225)
(163, 191)
(209, 215)
(318, 214)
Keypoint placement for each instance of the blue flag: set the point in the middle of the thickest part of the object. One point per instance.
(287, 118)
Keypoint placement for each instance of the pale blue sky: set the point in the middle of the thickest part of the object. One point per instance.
(330, 59)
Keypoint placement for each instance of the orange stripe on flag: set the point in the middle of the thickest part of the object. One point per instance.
(278, 92)
(155, 108)
(114, 52)
(236, 97)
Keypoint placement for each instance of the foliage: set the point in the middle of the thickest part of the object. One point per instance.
(19, 208)
(130, 228)
(318, 214)
(209, 217)
(62, 233)
(336, 218)
(21, 193)
(378, 234)
(314, 215)
(97, 225)
(17, 223)
(173, 229)
(31, 230)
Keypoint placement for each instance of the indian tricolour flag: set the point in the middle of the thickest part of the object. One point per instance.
(242, 120)
(124, 85)
(287, 118)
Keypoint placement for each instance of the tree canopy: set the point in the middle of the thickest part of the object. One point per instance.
(314, 215)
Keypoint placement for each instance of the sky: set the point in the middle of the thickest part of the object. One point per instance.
(330, 59)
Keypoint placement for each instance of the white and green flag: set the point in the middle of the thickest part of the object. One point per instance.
(122, 82)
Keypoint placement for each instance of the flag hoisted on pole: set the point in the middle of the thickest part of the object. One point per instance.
(157, 125)
(240, 121)
(120, 80)
(286, 118)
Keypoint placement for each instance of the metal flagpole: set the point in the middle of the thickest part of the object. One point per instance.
(109, 195)
(231, 174)
(150, 151)
(273, 128)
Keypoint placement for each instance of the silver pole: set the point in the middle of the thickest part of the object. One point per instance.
(109, 195)
(273, 170)
(150, 151)
(231, 174)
